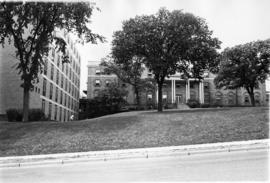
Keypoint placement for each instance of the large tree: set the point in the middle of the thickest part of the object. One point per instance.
(167, 42)
(129, 72)
(245, 66)
(29, 26)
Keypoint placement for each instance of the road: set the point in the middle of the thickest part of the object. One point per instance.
(250, 165)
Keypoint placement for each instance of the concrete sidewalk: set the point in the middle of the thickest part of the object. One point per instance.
(186, 150)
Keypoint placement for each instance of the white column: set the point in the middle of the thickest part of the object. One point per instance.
(172, 91)
(157, 94)
(202, 93)
(187, 90)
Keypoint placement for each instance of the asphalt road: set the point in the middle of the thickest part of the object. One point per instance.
(250, 165)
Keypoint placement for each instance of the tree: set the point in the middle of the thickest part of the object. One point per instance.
(30, 26)
(167, 42)
(245, 66)
(129, 72)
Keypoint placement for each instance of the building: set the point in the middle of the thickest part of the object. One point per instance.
(178, 91)
(57, 92)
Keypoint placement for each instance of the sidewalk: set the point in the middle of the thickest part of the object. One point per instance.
(187, 150)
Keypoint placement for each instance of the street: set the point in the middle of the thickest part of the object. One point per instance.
(226, 166)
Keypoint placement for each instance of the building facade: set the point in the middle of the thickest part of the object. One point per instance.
(57, 92)
(178, 91)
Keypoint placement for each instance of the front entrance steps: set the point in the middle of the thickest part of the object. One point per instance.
(182, 106)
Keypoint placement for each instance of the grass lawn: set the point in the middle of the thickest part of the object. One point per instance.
(135, 130)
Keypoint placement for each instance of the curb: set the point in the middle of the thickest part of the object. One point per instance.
(18, 161)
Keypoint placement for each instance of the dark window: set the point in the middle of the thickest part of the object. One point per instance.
(44, 87)
(45, 66)
(57, 77)
(52, 71)
(191, 85)
(50, 110)
(55, 112)
(107, 82)
(43, 105)
(61, 97)
(58, 61)
(97, 82)
(51, 90)
(60, 113)
(53, 53)
(56, 94)
(62, 80)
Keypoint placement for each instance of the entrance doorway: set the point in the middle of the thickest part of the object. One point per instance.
(179, 99)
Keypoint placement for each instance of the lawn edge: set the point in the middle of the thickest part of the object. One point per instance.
(185, 150)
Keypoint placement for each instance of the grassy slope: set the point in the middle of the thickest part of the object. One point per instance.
(135, 130)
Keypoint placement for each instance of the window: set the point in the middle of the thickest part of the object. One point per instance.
(45, 66)
(58, 61)
(56, 94)
(246, 99)
(97, 71)
(178, 85)
(206, 86)
(97, 82)
(96, 93)
(62, 80)
(257, 98)
(191, 85)
(53, 53)
(52, 71)
(44, 87)
(149, 75)
(107, 82)
(61, 97)
(43, 105)
(50, 110)
(124, 85)
(57, 76)
(55, 112)
(149, 96)
(51, 90)
(60, 113)
(66, 83)
(65, 99)
(218, 96)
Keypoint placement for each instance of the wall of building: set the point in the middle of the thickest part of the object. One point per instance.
(62, 81)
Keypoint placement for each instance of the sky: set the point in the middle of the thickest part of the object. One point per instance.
(232, 21)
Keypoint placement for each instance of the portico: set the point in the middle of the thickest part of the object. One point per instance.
(176, 90)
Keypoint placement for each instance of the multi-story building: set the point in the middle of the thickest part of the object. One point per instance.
(57, 92)
(178, 91)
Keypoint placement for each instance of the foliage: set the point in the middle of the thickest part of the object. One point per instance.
(34, 115)
(129, 72)
(245, 66)
(165, 43)
(29, 26)
(193, 103)
(109, 101)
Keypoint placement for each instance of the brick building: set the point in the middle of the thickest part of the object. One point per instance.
(57, 92)
(177, 91)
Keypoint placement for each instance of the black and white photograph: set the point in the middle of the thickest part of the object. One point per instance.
(134, 91)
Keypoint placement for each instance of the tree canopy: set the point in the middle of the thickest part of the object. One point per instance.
(167, 42)
(129, 72)
(29, 26)
(245, 66)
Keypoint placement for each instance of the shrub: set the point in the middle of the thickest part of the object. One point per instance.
(34, 115)
(193, 103)
(14, 115)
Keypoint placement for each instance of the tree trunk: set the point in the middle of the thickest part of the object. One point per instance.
(26, 93)
(252, 99)
(137, 96)
(160, 105)
(251, 96)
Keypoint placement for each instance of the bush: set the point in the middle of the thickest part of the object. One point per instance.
(193, 103)
(17, 114)
(14, 115)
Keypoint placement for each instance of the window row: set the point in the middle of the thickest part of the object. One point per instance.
(56, 112)
(72, 76)
(60, 96)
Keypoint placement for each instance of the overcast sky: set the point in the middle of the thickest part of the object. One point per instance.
(232, 21)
